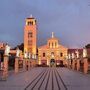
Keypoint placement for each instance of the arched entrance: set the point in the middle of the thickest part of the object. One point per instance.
(52, 62)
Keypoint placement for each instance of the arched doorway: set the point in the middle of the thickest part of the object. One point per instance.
(52, 62)
(61, 63)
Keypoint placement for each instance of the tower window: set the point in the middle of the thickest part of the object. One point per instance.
(30, 23)
(30, 34)
(43, 54)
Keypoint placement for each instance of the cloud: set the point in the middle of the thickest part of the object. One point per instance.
(69, 19)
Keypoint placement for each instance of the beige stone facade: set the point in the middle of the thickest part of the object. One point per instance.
(52, 53)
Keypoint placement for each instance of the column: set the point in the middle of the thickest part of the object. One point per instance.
(39, 62)
(16, 64)
(78, 64)
(68, 62)
(85, 65)
(47, 62)
(73, 64)
(24, 64)
(5, 70)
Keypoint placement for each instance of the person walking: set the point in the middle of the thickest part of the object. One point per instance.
(27, 66)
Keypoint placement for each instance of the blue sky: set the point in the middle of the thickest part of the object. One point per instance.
(69, 19)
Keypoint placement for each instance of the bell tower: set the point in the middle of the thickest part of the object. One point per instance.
(30, 35)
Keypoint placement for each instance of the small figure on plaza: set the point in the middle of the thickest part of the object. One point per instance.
(27, 66)
(17, 52)
(7, 49)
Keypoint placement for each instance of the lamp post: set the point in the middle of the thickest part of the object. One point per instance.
(29, 60)
(6, 59)
(78, 60)
(85, 66)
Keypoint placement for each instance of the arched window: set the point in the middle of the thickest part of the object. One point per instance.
(52, 44)
(49, 44)
(55, 44)
(52, 54)
(30, 34)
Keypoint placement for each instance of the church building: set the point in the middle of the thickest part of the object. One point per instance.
(52, 53)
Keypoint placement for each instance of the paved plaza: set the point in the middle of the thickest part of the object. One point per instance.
(40, 78)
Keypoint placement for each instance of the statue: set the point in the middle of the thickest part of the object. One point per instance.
(33, 56)
(69, 56)
(84, 52)
(29, 55)
(73, 56)
(17, 52)
(7, 49)
(25, 55)
(77, 53)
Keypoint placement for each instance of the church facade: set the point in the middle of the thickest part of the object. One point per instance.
(52, 53)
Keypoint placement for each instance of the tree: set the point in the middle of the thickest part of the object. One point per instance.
(21, 47)
(87, 46)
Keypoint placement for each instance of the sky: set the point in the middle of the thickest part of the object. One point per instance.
(68, 19)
